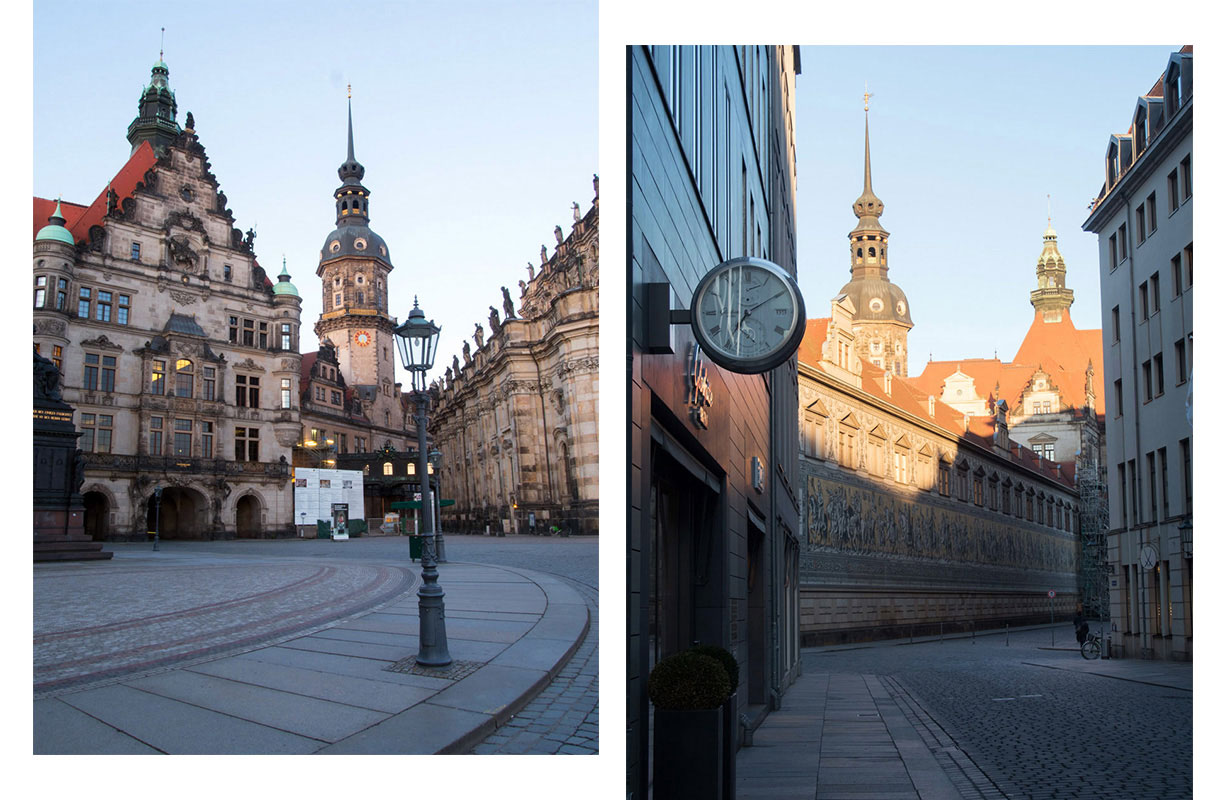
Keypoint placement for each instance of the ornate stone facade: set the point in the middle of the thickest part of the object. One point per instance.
(173, 346)
(517, 422)
(917, 514)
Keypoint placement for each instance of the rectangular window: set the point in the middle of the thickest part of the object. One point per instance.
(1182, 366)
(247, 332)
(1189, 265)
(319, 393)
(205, 439)
(262, 335)
(155, 434)
(1163, 452)
(92, 360)
(184, 378)
(1187, 183)
(285, 336)
(1121, 242)
(109, 366)
(228, 272)
(1147, 395)
(1176, 275)
(87, 423)
(158, 377)
(57, 357)
(336, 398)
(1140, 224)
(105, 430)
(40, 291)
(1152, 507)
(247, 391)
(1151, 213)
(1187, 477)
(124, 313)
(182, 436)
(103, 306)
(1157, 362)
(1132, 471)
(1173, 195)
(85, 303)
(1117, 396)
(209, 383)
(233, 330)
(1121, 482)
(1117, 324)
(285, 393)
(61, 295)
(135, 251)
(1143, 306)
(1113, 252)
(342, 443)
(1155, 292)
(246, 441)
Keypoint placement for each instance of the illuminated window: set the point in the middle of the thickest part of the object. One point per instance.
(184, 378)
(387, 468)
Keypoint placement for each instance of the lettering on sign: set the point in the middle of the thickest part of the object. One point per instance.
(52, 415)
(699, 396)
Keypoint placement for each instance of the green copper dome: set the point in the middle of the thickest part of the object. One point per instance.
(55, 231)
(284, 286)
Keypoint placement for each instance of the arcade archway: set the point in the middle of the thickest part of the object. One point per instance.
(97, 516)
(182, 513)
(249, 517)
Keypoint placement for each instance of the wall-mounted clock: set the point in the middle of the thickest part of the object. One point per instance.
(748, 315)
(363, 338)
(1148, 557)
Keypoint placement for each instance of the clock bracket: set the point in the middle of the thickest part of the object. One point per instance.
(659, 316)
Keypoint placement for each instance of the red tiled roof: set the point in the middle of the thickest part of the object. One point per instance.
(79, 219)
(307, 362)
(908, 396)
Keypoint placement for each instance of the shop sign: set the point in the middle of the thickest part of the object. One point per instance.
(699, 396)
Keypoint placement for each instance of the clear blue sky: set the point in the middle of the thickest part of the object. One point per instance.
(476, 123)
(966, 144)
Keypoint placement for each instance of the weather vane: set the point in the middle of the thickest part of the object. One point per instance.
(162, 43)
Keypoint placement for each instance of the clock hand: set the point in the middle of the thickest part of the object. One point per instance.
(780, 293)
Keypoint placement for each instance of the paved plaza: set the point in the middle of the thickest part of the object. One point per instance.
(305, 647)
(1020, 716)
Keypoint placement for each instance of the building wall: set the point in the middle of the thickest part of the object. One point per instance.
(517, 422)
(886, 554)
(1149, 433)
(192, 263)
(710, 496)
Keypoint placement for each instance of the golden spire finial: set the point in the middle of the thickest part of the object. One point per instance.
(866, 96)
(1048, 215)
(162, 58)
(349, 91)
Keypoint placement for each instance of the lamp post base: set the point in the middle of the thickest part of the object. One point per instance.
(433, 641)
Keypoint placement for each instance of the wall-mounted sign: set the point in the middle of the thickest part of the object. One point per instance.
(758, 475)
(699, 396)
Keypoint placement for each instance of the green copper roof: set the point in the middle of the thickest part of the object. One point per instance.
(284, 286)
(54, 230)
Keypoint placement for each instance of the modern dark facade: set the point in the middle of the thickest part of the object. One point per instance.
(712, 551)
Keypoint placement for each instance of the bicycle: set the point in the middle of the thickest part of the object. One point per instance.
(1090, 648)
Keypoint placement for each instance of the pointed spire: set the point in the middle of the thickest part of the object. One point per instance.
(351, 147)
(351, 171)
(868, 207)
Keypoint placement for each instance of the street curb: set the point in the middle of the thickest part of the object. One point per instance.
(1114, 677)
(464, 744)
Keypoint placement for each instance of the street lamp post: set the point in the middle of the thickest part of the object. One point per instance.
(417, 339)
(434, 459)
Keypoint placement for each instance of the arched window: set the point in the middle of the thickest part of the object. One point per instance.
(355, 205)
(859, 253)
(387, 468)
(871, 252)
(184, 385)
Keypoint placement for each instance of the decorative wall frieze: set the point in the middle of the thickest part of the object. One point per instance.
(50, 327)
(102, 343)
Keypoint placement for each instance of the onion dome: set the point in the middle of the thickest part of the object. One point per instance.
(55, 230)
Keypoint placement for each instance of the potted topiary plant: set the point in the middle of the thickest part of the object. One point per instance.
(729, 711)
(687, 690)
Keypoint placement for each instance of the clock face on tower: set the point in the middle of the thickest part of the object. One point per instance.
(363, 338)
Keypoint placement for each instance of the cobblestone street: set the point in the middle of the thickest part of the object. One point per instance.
(1021, 720)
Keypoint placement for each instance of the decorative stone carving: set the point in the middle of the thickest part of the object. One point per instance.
(249, 366)
(50, 327)
(182, 298)
(101, 342)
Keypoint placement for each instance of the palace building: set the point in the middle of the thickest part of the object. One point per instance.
(177, 351)
(917, 515)
(516, 419)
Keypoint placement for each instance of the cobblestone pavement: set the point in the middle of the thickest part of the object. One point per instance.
(1004, 728)
(564, 717)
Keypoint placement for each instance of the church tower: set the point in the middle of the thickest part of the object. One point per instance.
(156, 122)
(882, 314)
(354, 268)
(1051, 297)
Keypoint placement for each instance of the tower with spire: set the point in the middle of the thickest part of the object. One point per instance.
(354, 267)
(1051, 298)
(156, 122)
(882, 313)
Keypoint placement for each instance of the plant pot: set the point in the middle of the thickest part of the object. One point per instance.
(731, 726)
(688, 754)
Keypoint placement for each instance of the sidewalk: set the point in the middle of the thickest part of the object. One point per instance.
(844, 736)
(344, 687)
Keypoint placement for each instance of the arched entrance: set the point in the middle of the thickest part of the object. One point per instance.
(249, 517)
(97, 516)
(181, 515)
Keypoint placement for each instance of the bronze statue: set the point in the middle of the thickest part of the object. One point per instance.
(493, 318)
(478, 334)
(509, 312)
(465, 351)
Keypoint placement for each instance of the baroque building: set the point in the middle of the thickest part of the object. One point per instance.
(177, 351)
(712, 545)
(1143, 218)
(352, 405)
(516, 419)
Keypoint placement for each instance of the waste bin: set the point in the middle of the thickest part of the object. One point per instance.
(323, 529)
(416, 546)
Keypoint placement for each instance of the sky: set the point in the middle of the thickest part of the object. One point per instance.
(966, 144)
(476, 123)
